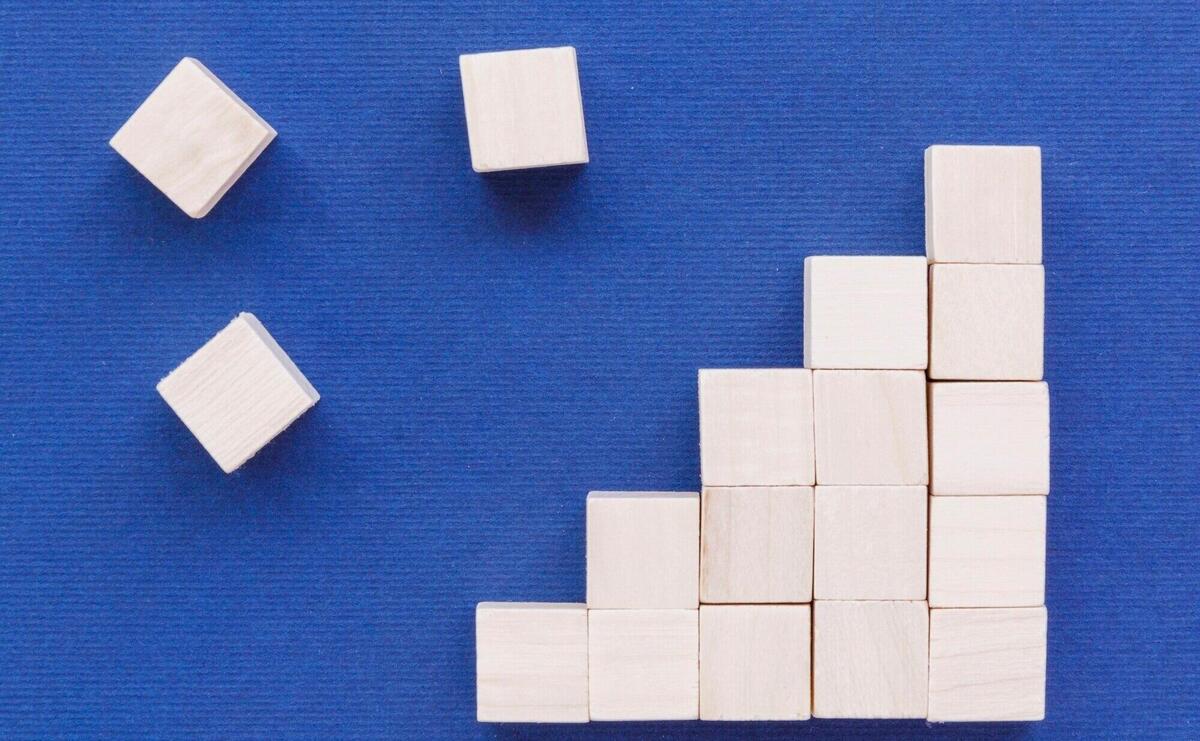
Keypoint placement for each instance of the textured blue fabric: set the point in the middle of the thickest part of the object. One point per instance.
(489, 349)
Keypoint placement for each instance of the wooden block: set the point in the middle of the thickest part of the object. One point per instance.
(643, 549)
(237, 392)
(871, 427)
(866, 312)
(986, 322)
(983, 204)
(756, 544)
(989, 438)
(756, 427)
(755, 662)
(192, 138)
(870, 659)
(531, 662)
(644, 664)
(524, 109)
(870, 543)
(987, 551)
(987, 665)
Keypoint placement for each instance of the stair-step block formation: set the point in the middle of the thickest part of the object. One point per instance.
(870, 543)
(987, 551)
(755, 662)
(756, 544)
(644, 664)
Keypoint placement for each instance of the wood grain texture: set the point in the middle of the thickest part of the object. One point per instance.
(644, 664)
(870, 543)
(755, 662)
(987, 551)
(871, 428)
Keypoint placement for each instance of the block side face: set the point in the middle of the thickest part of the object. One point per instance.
(755, 662)
(878, 411)
(756, 545)
(643, 552)
(987, 551)
(870, 543)
(644, 664)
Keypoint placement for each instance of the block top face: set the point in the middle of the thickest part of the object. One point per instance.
(524, 109)
(755, 662)
(192, 138)
(644, 664)
(870, 543)
(987, 551)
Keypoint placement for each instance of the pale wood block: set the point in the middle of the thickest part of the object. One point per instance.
(866, 312)
(643, 549)
(755, 662)
(986, 322)
(870, 543)
(237, 392)
(983, 204)
(871, 427)
(987, 664)
(756, 544)
(987, 551)
(524, 109)
(870, 659)
(644, 664)
(989, 438)
(756, 427)
(192, 138)
(531, 662)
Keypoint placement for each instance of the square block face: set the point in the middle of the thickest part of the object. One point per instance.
(870, 543)
(644, 664)
(987, 322)
(866, 312)
(983, 204)
(643, 549)
(756, 544)
(989, 438)
(870, 659)
(987, 551)
(524, 109)
(192, 138)
(755, 662)
(987, 665)
(531, 662)
(756, 427)
(237, 392)
(871, 428)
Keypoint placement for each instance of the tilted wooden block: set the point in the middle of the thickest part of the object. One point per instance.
(755, 662)
(871, 427)
(643, 549)
(192, 138)
(987, 551)
(870, 543)
(237, 392)
(531, 662)
(644, 664)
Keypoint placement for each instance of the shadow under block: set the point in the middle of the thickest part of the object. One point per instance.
(192, 138)
(643, 549)
(531, 662)
(755, 662)
(756, 544)
(756, 427)
(524, 109)
(237, 392)
(870, 659)
(870, 543)
(987, 664)
(987, 551)
(983, 204)
(866, 312)
(644, 664)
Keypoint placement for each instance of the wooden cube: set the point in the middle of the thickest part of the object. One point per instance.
(871, 428)
(870, 543)
(237, 392)
(756, 427)
(192, 138)
(643, 549)
(866, 312)
(870, 659)
(987, 664)
(755, 662)
(987, 551)
(524, 109)
(986, 322)
(983, 204)
(644, 664)
(756, 544)
(989, 438)
(531, 662)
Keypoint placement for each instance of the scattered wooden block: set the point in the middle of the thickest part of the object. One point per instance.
(755, 662)
(643, 549)
(756, 544)
(524, 109)
(237, 392)
(531, 662)
(644, 664)
(987, 551)
(871, 427)
(870, 543)
(192, 138)
(866, 312)
(987, 664)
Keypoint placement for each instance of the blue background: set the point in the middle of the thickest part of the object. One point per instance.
(489, 349)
